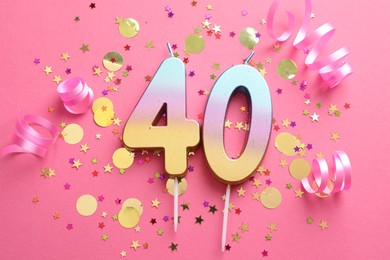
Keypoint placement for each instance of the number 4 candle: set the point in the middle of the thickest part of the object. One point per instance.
(167, 88)
(249, 81)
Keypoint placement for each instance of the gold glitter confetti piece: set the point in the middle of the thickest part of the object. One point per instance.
(122, 158)
(135, 204)
(182, 186)
(128, 217)
(86, 205)
(287, 69)
(249, 37)
(113, 61)
(102, 102)
(299, 168)
(128, 27)
(194, 43)
(271, 198)
(286, 142)
(72, 133)
(104, 116)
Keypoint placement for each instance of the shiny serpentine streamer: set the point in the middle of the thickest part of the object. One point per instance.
(341, 179)
(331, 68)
(28, 140)
(76, 95)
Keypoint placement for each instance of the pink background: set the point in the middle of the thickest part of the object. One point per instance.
(358, 219)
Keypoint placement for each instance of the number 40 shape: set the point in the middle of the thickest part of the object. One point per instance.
(167, 89)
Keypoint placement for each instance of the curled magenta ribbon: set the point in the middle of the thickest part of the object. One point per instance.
(76, 95)
(331, 68)
(342, 175)
(28, 140)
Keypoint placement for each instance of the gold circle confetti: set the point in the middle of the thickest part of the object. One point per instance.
(72, 133)
(134, 203)
(128, 217)
(101, 103)
(104, 117)
(287, 69)
(299, 168)
(286, 142)
(194, 43)
(182, 186)
(86, 205)
(122, 158)
(128, 27)
(113, 61)
(271, 198)
(249, 37)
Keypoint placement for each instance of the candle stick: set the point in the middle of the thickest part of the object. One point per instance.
(225, 216)
(249, 81)
(166, 89)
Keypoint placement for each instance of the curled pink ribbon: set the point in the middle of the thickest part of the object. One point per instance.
(342, 174)
(331, 68)
(28, 140)
(76, 95)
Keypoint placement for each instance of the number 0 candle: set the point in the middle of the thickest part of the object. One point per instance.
(249, 81)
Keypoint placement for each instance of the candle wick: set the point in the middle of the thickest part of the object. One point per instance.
(249, 57)
(170, 49)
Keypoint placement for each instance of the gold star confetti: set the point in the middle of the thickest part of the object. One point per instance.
(263, 72)
(65, 56)
(272, 227)
(35, 200)
(323, 224)
(286, 123)
(256, 196)
(238, 126)
(57, 79)
(84, 47)
(209, 7)
(47, 70)
(84, 148)
(107, 168)
(257, 183)
(135, 244)
(283, 163)
(56, 215)
(241, 192)
(76, 164)
(47, 172)
(97, 71)
(299, 193)
(332, 109)
(335, 136)
(123, 253)
(228, 123)
(149, 45)
(236, 237)
(117, 121)
(155, 203)
(206, 24)
(244, 227)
